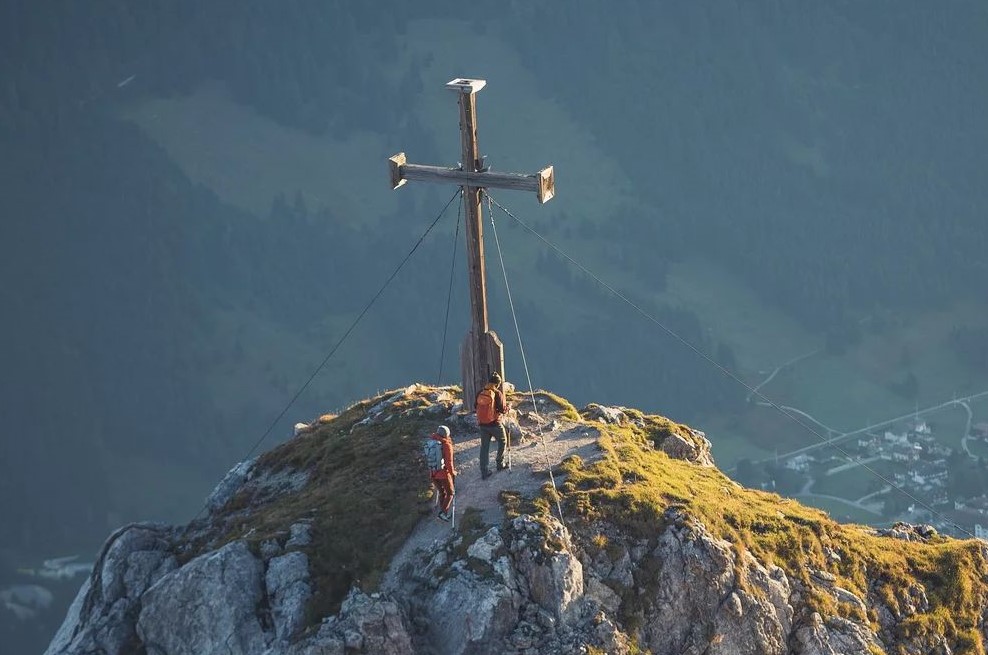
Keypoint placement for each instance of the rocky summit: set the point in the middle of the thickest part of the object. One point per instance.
(612, 532)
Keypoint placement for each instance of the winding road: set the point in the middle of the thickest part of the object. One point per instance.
(778, 368)
(841, 437)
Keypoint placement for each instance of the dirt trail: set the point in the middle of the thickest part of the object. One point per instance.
(527, 475)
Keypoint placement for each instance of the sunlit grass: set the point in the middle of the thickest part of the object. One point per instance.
(633, 485)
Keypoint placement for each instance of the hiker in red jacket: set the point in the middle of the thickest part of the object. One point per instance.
(444, 476)
(491, 406)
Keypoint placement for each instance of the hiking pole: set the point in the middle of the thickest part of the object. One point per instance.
(452, 515)
(507, 434)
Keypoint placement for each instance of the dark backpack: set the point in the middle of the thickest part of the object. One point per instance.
(433, 451)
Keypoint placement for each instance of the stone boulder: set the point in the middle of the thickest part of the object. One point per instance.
(695, 448)
(909, 532)
(605, 414)
(700, 603)
(836, 636)
(103, 616)
(288, 592)
(543, 555)
(207, 606)
(231, 483)
(366, 624)
(469, 614)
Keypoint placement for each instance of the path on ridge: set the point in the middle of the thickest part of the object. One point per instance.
(527, 475)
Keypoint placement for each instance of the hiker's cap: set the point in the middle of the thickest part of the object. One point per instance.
(443, 430)
(496, 377)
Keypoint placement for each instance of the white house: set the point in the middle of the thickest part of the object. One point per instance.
(896, 439)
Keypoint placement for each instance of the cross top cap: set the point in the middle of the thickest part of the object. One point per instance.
(465, 85)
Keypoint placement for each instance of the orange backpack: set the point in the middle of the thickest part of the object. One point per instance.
(487, 407)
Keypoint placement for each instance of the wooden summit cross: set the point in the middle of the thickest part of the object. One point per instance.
(482, 352)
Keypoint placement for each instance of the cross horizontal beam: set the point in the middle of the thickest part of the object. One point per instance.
(542, 183)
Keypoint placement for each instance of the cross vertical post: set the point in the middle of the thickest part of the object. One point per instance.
(482, 352)
(474, 218)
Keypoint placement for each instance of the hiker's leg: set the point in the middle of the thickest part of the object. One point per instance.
(502, 439)
(437, 490)
(446, 494)
(485, 450)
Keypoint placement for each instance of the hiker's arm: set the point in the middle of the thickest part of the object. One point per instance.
(448, 458)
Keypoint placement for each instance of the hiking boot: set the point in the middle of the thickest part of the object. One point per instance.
(444, 516)
(484, 475)
(501, 467)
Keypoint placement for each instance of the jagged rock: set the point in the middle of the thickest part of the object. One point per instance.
(908, 532)
(844, 596)
(102, 617)
(300, 535)
(605, 414)
(610, 637)
(484, 548)
(468, 614)
(207, 606)
(288, 591)
(837, 636)
(699, 578)
(376, 414)
(230, 484)
(620, 570)
(696, 450)
(78, 628)
(543, 556)
(513, 428)
(603, 595)
(373, 624)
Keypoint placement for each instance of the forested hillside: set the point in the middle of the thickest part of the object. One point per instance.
(831, 157)
(832, 153)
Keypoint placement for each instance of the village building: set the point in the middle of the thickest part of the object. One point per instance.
(893, 438)
(921, 429)
(800, 463)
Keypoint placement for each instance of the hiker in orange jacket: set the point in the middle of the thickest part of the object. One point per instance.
(444, 478)
(491, 406)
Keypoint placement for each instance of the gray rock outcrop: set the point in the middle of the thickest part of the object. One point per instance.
(207, 606)
(696, 449)
(366, 624)
(103, 617)
(526, 587)
(288, 588)
(700, 576)
(139, 598)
